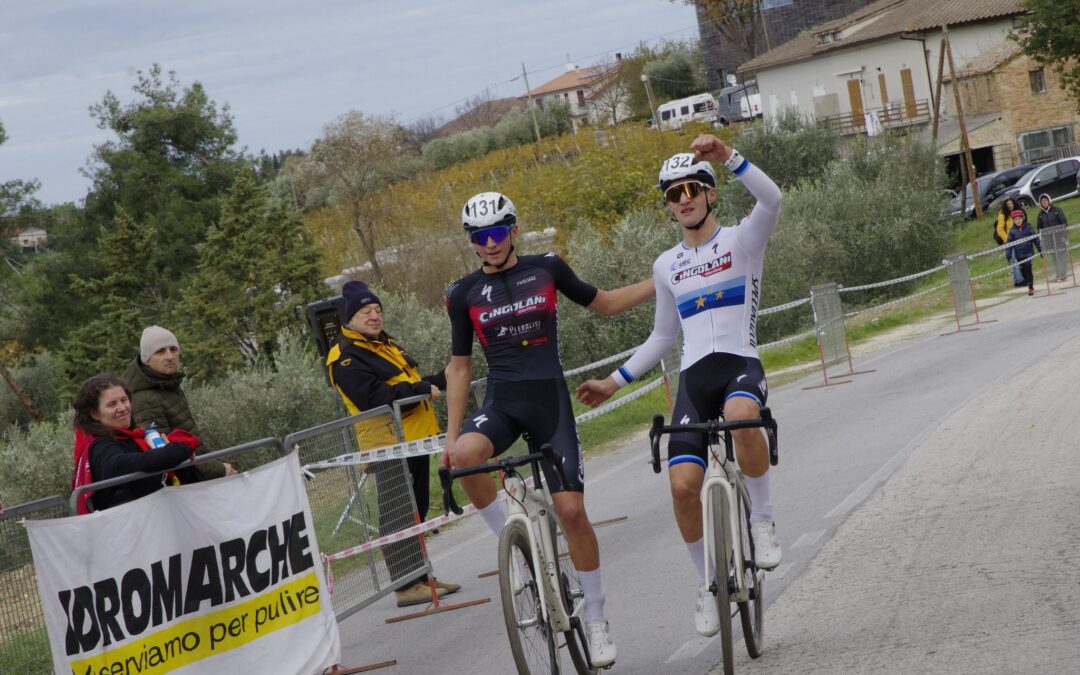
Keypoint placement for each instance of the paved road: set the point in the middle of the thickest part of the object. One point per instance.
(919, 534)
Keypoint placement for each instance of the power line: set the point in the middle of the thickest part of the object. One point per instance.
(539, 70)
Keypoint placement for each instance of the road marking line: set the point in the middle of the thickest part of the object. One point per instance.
(808, 538)
(691, 649)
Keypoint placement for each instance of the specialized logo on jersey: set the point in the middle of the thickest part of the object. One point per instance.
(725, 294)
(708, 269)
(529, 304)
(685, 419)
(479, 419)
(486, 292)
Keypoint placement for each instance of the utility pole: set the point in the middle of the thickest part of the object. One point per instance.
(532, 108)
(965, 145)
(652, 106)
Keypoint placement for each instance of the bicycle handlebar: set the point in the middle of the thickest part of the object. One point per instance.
(508, 465)
(713, 428)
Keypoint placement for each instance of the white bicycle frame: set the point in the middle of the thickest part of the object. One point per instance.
(544, 551)
(723, 475)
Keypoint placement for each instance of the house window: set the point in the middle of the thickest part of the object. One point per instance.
(769, 4)
(1037, 80)
(1040, 145)
(581, 98)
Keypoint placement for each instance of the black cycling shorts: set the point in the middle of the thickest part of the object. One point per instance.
(704, 387)
(540, 408)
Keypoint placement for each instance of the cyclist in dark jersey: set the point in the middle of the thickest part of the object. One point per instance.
(510, 304)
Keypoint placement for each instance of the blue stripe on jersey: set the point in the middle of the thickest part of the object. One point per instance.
(680, 459)
(742, 168)
(626, 374)
(731, 292)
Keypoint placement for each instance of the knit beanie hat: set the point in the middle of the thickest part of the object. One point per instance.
(357, 296)
(153, 339)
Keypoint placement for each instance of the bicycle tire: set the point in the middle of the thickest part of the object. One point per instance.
(532, 642)
(722, 555)
(752, 611)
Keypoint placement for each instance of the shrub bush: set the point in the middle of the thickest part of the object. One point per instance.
(41, 382)
(37, 460)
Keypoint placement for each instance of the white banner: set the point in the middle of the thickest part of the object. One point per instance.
(214, 577)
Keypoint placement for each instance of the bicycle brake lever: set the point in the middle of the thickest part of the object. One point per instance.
(654, 441)
(450, 505)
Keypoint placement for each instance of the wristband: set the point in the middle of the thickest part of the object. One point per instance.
(736, 164)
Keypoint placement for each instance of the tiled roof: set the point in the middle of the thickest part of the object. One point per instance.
(881, 20)
(987, 61)
(578, 78)
(488, 110)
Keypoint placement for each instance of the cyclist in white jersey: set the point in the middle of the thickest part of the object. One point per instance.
(709, 286)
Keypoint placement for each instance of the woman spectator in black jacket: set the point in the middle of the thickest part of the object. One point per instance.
(107, 445)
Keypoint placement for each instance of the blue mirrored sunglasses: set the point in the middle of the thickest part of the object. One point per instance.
(496, 232)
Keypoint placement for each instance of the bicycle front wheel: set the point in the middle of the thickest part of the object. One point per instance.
(532, 642)
(752, 611)
(721, 549)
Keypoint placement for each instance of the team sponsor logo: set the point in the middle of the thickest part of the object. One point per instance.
(518, 329)
(740, 378)
(755, 296)
(486, 292)
(685, 419)
(679, 264)
(519, 307)
(479, 419)
(763, 386)
(526, 280)
(708, 269)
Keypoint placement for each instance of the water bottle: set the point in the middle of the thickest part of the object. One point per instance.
(154, 438)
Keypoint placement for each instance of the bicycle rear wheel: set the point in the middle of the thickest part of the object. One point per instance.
(532, 642)
(752, 611)
(721, 544)
(574, 601)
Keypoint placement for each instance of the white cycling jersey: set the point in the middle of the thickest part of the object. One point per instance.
(711, 291)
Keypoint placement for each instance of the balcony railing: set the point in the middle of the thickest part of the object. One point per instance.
(892, 116)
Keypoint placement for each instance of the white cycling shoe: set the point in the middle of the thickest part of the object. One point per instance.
(767, 552)
(706, 613)
(602, 648)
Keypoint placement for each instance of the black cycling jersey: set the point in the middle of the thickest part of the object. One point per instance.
(514, 314)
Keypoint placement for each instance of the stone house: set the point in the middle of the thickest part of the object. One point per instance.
(593, 94)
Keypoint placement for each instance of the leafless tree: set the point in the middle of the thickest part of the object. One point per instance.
(610, 91)
(737, 21)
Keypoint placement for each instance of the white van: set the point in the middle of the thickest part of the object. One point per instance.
(697, 108)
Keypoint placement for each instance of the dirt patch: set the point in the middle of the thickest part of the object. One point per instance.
(20, 606)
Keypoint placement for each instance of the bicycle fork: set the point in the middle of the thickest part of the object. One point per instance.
(737, 567)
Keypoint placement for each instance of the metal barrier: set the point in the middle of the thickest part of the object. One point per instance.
(24, 644)
(831, 334)
(353, 504)
(1055, 246)
(254, 452)
(963, 293)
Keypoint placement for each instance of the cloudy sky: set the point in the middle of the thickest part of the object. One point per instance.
(288, 68)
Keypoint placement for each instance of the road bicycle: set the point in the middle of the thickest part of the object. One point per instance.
(725, 511)
(542, 598)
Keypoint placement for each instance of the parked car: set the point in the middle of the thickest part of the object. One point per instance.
(1057, 179)
(991, 186)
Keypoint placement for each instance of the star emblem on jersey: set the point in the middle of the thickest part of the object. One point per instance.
(719, 294)
(700, 301)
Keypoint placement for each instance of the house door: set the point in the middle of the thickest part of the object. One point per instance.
(884, 94)
(854, 92)
(909, 92)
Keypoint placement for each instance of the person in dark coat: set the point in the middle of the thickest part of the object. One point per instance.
(1024, 251)
(1051, 215)
(154, 379)
(108, 445)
